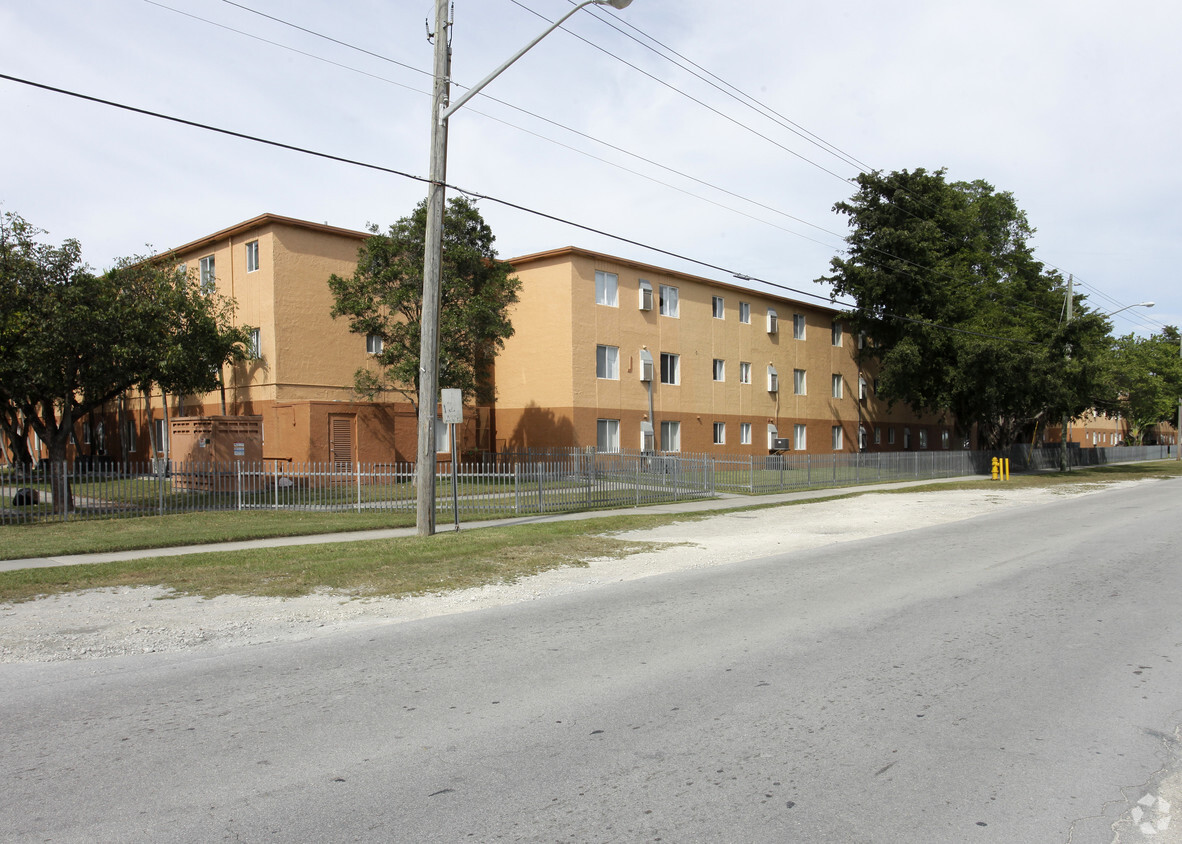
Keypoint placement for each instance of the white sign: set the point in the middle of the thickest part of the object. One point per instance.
(453, 406)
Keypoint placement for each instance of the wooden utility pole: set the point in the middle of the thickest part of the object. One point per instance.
(1063, 462)
(432, 284)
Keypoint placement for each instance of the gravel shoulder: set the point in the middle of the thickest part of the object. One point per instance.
(103, 623)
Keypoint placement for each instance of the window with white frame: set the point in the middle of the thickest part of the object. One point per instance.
(945, 440)
(890, 436)
(773, 321)
(923, 438)
(256, 343)
(744, 433)
(719, 369)
(252, 256)
(798, 326)
(773, 379)
(607, 434)
(208, 274)
(799, 382)
(374, 344)
(607, 362)
(744, 372)
(837, 438)
(745, 312)
(129, 434)
(861, 388)
(800, 437)
(837, 334)
(670, 436)
(863, 440)
(670, 368)
(838, 386)
(907, 439)
(877, 436)
(720, 433)
(668, 301)
(607, 289)
(773, 434)
(718, 307)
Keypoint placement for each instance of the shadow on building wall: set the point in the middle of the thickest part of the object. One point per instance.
(539, 427)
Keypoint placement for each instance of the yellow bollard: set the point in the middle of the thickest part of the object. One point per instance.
(996, 469)
(1007, 468)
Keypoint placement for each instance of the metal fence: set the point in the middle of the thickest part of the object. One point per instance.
(496, 486)
(490, 489)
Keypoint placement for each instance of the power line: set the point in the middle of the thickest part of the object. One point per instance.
(476, 195)
(524, 111)
(727, 88)
(609, 145)
(739, 95)
(294, 49)
(576, 132)
(690, 97)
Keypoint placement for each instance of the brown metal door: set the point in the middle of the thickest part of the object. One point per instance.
(341, 442)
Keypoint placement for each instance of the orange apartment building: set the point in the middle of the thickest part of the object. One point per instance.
(730, 370)
(276, 269)
(625, 355)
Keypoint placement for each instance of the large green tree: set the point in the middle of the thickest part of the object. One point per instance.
(961, 317)
(72, 340)
(384, 299)
(1147, 379)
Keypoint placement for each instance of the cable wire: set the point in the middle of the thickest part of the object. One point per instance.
(609, 145)
(503, 202)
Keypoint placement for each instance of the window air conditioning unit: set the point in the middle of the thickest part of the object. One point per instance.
(781, 444)
(646, 365)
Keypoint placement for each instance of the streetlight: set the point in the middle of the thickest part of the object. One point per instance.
(1126, 307)
(433, 251)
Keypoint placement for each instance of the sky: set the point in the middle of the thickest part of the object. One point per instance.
(1070, 106)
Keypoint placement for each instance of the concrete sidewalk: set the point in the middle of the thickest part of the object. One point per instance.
(726, 501)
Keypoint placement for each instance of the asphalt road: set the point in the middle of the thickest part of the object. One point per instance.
(1012, 678)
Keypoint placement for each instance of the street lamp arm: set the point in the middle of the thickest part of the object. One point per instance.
(1127, 307)
(475, 89)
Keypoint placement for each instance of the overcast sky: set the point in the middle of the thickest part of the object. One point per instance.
(1071, 106)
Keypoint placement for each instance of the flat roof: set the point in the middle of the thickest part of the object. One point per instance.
(570, 251)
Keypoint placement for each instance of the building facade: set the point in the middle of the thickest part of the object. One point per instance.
(624, 355)
(606, 352)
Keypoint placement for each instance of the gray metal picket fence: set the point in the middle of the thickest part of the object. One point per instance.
(495, 486)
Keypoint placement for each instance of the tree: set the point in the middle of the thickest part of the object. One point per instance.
(384, 300)
(71, 340)
(1147, 379)
(962, 319)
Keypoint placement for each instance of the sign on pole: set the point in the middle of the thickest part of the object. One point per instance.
(453, 414)
(453, 406)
